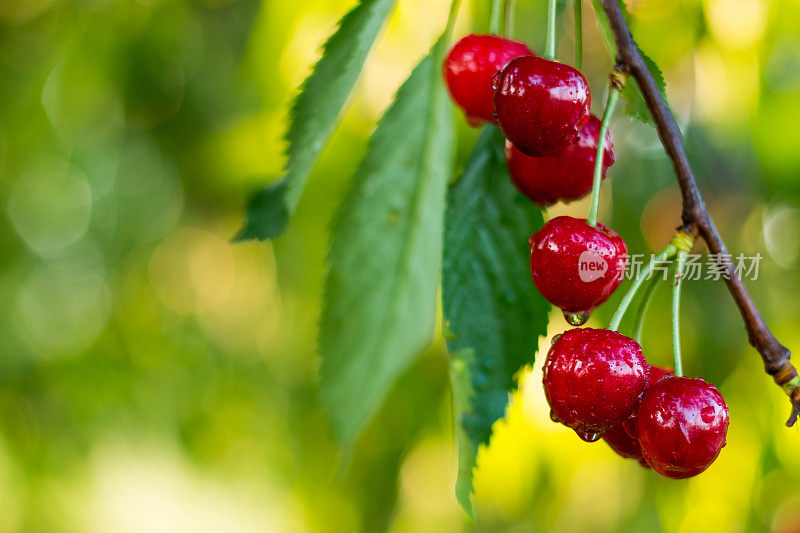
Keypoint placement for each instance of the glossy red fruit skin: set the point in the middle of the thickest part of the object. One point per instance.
(683, 423)
(566, 176)
(622, 443)
(622, 437)
(541, 105)
(593, 379)
(562, 247)
(655, 374)
(469, 68)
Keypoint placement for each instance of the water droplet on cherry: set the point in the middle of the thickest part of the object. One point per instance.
(589, 436)
(496, 81)
(577, 319)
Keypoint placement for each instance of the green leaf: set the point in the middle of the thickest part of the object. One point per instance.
(314, 115)
(385, 256)
(635, 107)
(461, 363)
(489, 302)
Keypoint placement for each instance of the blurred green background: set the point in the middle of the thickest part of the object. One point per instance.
(154, 377)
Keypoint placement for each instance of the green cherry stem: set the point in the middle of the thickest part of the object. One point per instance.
(550, 48)
(680, 270)
(448, 29)
(616, 85)
(577, 6)
(440, 48)
(665, 254)
(642, 310)
(496, 17)
(508, 18)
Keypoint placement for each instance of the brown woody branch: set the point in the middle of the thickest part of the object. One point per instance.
(695, 215)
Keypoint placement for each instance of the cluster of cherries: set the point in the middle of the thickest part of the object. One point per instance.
(542, 107)
(596, 381)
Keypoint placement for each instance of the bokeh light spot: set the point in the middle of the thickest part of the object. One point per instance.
(737, 23)
(782, 234)
(64, 306)
(192, 271)
(50, 206)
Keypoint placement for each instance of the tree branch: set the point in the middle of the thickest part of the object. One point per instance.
(695, 215)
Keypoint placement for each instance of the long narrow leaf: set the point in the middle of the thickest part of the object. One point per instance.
(385, 254)
(490, 304)
(314, 115)
(461, 365)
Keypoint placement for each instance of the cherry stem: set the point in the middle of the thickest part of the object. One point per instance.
(451, 22)
(508, 18)
(611, 103)
(642, 310)
(665, 254)
(440, 48)
(496, 18)
(680, 271)
(577, 11)
(550, 48)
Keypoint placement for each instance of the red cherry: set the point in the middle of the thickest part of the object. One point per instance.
(622, 437)
(567, 176)
(469, 68)
(593, 379)
(656, 374)
(623, 444)
(682, 426)
(575, 266)
(541, 105)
